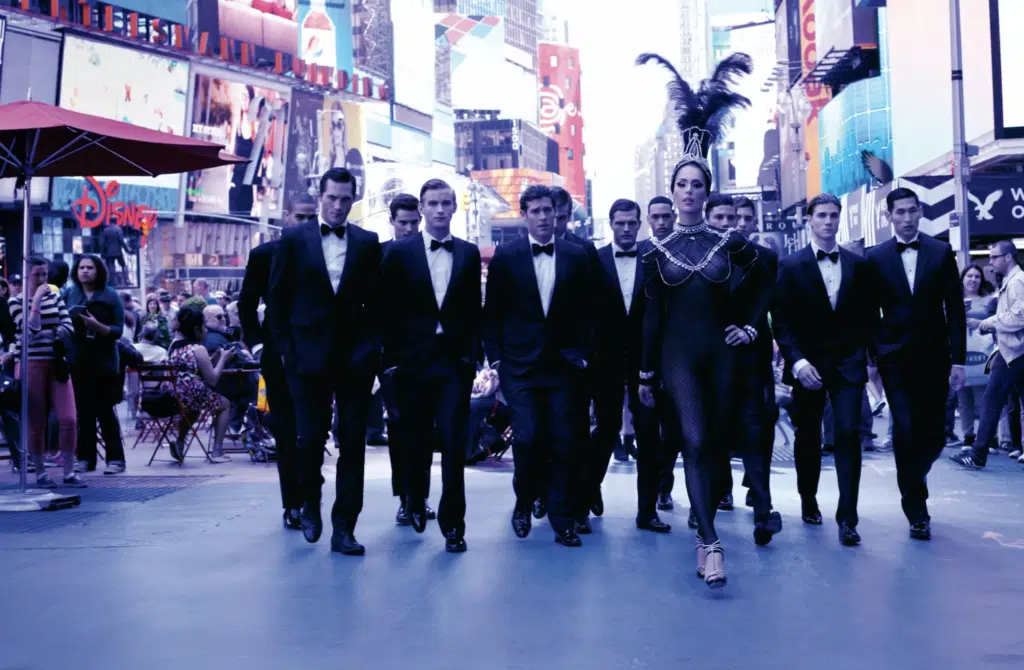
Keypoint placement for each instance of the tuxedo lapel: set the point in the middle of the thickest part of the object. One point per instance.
(923, 261)
(561, 266)
(846, 268)
(458, 262)
(316, 253)
(420, 270)
(525, 257)
(355, 244)
(896, 266)
(812, 275)
(638, 283)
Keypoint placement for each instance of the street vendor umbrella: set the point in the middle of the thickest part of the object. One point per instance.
(41, 140)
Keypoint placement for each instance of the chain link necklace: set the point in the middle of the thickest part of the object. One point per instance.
(702, 227)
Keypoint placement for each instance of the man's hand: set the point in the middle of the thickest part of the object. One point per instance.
(90, 322)
(974, 324)
(809, 377)
(957, 378)
(646, 393)
(736, 336)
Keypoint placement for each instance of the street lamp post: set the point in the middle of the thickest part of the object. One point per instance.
(959, 220)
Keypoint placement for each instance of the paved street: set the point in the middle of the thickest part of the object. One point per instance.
(169, 568)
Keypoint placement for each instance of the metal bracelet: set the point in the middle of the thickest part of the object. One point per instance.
(646, 376)
(751, 331)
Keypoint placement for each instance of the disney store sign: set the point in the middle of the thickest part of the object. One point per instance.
(97, 207)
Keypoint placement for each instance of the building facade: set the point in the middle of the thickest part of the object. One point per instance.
(561, 112)
(486, 142)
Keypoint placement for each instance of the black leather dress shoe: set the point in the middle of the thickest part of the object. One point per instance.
(312, 524)
(540, 509)
(568, 539)
(343, 542)
(521, 523)
(293, 519)
(848, 535)
(402, 517)
(665, 502)
(431, 514)
(691, 520)
(921, 530)
(767, 527)
(809, 512)
(726, 504)
(583, 527)
(454, 543)
(598, 507)
(653, 524)
(417, 516)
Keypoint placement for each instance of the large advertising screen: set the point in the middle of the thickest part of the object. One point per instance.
(1011, 56)
(270, 24)
(128, 85)
(477, 46)
(251, 122)
(325, 33)
(840, 26)
(414, 76)
(372, 37)
(855, 122)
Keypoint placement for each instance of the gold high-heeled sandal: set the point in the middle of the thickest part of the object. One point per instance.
(714, 565)
(701, 557)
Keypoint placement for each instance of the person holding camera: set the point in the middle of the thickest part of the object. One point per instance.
(47, 325)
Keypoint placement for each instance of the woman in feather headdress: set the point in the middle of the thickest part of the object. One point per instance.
(695, 317)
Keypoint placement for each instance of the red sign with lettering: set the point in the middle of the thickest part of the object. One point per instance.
(91, 211)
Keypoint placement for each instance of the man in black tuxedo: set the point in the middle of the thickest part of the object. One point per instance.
(255, 287)
(431, 345)
(661, 215)
(823, 317)
(405, 221)
(538, 334)
(921, 345)
(616, 369)
(324, 296)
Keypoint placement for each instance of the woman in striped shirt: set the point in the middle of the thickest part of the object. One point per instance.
(49, 386)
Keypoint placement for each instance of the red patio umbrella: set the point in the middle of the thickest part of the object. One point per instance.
(41, 140)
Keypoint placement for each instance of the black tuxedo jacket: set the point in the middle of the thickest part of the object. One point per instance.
(409, 312)
(931, 320)
(315, 329)
(516, 332)
(756, 359)
(618, 346)
(834, 341)
(256, 287)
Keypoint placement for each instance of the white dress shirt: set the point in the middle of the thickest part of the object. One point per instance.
(832, 276)
(909, 258)
(439, 261)
(544, 267)
(625, 268)
(335, 249)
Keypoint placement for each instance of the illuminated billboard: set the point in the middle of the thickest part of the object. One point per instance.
(251, 122)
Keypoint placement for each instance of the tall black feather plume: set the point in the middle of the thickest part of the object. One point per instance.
(711, 106)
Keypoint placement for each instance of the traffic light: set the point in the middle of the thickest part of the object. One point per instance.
(467, 200)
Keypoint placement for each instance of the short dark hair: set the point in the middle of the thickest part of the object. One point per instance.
(189, 318)
(299, 198)
(822, 199)
(717, 200)
(435, 185)
(148, 332)
(659, 200)
(560, 197)
(535, 192)
(101, 271)
(623, 205)
(404, 201)
(900, 193)
(59, 272)
(1005, 248)
(743, 201)
(339, 176)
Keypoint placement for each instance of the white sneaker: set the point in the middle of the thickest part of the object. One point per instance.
(114, 468)
(1016, 453)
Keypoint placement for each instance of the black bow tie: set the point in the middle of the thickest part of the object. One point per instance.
(626, 254)
(831, 255)
(903, 246)
(548, 249)
(447, 245)
(327, 230)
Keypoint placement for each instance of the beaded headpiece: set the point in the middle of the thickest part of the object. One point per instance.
(705, 112)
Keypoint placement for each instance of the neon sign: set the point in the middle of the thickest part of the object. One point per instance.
(102, 210)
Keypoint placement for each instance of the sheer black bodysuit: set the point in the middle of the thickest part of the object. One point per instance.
(691, 280)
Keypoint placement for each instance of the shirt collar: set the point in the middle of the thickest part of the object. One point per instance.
(616, 247)
(533, 240)
(815, 248)
(428, 238)
(912, 239)
(1006, 280)
(320, 220)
